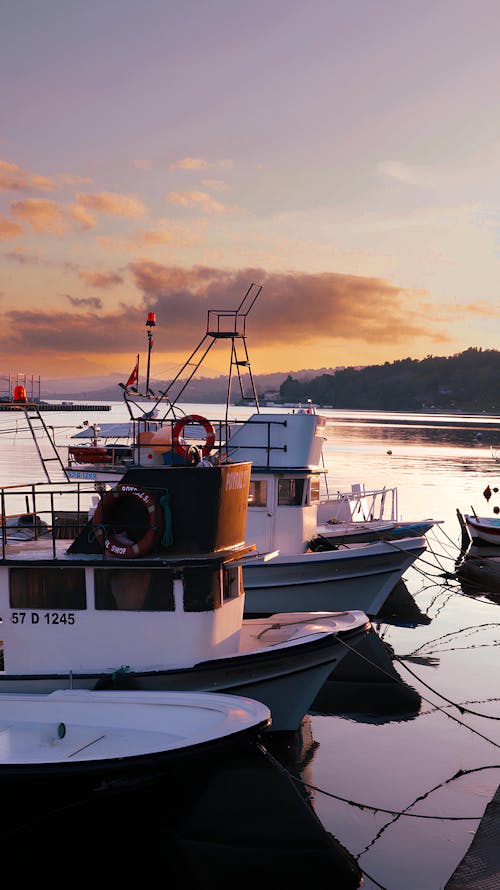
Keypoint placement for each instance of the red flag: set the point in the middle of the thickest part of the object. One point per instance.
(134, 375)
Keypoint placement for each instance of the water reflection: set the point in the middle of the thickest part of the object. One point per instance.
(366, 687)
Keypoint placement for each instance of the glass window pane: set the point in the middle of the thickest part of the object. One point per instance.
(290, 492)
(47, 588)
(257, 495)
(202, 588)
(148, 590)
(233, 582)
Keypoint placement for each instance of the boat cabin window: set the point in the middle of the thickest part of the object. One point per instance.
(290, 492)
(232, 582)
(149, 590)
(314, 489)
(202, 588)
(257, 494)
(47, 588)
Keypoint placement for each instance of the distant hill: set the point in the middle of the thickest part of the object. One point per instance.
(201, 389)
(466, 382)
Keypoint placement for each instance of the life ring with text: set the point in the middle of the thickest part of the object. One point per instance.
(128, 521)
(181, 447)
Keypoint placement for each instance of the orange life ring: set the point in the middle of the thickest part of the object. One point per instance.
(107, 515)
(180, 447)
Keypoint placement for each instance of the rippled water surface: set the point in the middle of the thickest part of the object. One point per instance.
(400, 775)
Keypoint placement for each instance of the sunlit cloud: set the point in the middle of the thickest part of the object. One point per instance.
(41, 214)
(142, 164)
(482, 308)
(102, 280)
(112, 203)
(298, 309)
(198, 199)
(13, 178)
(200, 164)
(346, 306)
(167, 232)
(9, 229)
(82, 216)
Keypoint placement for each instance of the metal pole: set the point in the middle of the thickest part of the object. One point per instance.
(150, 323)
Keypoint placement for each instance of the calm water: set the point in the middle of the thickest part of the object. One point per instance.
(383, 770)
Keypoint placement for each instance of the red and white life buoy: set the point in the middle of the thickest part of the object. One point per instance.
(118, 508)
(181, 447)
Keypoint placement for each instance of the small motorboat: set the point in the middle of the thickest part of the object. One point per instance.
(483, 530)
(83, 732)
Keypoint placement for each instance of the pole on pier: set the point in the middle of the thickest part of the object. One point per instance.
(150, 323)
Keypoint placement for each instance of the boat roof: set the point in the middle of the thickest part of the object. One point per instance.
(123, 429)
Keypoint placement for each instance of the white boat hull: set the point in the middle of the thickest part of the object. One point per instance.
(284, 673)
(483, 531)
(332, 580)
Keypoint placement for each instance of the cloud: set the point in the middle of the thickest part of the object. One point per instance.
(9, 229)
(13, 178)
(295, 308)
(102, 280)
(403, 172)
(142, 164)
(217, 185)
(90, 302)
(200, 164)
(41, 214)
(112, 203)
(74, 179)
(81, 216)
(198, 199)
(166, 232)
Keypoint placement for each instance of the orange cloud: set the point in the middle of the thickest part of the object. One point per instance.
(40, 213)
(142, 164)
(12, 178)
(9, 229)
(82, 217)
(197, 199)
(302, 311)
(199, 164)
(102, 280)
(297, 308)
(112, 203)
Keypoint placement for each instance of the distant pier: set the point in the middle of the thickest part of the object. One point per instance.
(51, 406)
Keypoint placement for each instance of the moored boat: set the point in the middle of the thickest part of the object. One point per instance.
(146, 593)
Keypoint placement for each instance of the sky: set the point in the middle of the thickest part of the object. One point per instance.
(158, 156)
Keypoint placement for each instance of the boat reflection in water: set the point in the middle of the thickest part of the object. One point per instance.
(401, 610)
(478, 572)
(367, 687)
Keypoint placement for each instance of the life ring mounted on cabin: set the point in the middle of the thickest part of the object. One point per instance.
(181, 447)
(128, 521)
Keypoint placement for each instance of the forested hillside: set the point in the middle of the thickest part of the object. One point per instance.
(467, 382)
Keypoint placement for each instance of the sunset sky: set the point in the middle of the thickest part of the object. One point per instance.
(162, 156)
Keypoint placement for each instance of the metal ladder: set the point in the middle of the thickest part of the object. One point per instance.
(45, 445)
(222, 324)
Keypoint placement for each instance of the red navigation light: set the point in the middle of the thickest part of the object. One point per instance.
(151, 320)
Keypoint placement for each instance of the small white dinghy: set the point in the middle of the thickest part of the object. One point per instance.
(81, 730)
